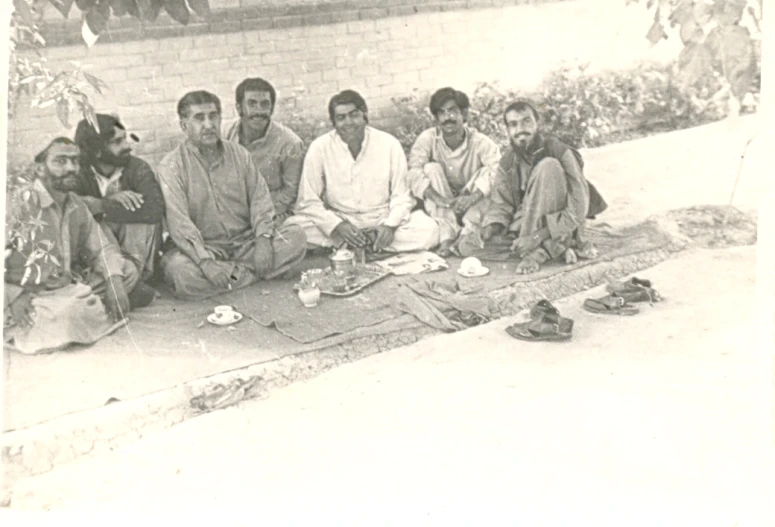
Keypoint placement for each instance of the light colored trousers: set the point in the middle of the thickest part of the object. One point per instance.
(139, 242)
(188, 282)
(419, 233)
(449, 225)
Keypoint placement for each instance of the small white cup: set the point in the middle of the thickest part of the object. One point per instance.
(221, 311)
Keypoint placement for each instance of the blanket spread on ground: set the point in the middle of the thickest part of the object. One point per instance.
(275, 303)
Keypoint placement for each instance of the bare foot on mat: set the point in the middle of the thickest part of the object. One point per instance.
(570, 256)
(528, 265)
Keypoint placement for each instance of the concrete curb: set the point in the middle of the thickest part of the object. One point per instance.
(38, 449)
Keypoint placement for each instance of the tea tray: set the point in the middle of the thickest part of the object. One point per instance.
(365, 275)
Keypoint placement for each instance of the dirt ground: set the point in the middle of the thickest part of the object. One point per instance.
(656, 419)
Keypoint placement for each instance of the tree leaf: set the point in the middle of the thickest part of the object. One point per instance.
(730, 12)
(63, 112)
(656, 32)
(150, 9)
(200, 7)
(63, 6)
(132, 8)
(85, 5)
(97, 17)
(702, 12)
(681, 13)
(22, 8)
(178, 10)
(694, 62)
(96, 83)
(119, 7)
(732, 48)
(690, 31)
(89, 36)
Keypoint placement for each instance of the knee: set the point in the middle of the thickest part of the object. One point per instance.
(295, 235)
(131, 274)
(431, 233)
(549, 167)
(176, 266)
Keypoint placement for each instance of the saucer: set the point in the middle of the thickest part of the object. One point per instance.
(224, 320)
(479, 272)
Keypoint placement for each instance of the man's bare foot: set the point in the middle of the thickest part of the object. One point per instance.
(570, 256)
(528, 265)
(587, 251)
(445, 249)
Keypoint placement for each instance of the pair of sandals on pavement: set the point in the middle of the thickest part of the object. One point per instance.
(547, 324)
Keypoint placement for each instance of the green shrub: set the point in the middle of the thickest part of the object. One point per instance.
(585, 110)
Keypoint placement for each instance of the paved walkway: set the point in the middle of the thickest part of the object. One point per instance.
(658, 419)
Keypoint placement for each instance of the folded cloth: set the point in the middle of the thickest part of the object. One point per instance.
(413, 263)
(443, 305)
(70, 315)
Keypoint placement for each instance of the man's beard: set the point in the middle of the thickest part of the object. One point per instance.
(120, 160)
(524, 146)
(66, 183)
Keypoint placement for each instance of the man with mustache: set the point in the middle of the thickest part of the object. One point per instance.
(354, 188)
(276, 149)
(540, 196)
(451, 168)
(60, 265)
(219, 211)
(121, 190)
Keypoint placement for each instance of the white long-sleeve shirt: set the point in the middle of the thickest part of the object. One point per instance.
(368, 190)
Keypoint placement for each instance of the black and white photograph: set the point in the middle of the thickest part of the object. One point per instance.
(389, 262)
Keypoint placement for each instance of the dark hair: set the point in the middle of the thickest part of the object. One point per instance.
(255, 84)
(90, 141)
(443, 95)
(521, 105)
(197, 97)
(347, 97)
(43, 154)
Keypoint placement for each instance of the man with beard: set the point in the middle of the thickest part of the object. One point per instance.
(452, 167)
(62, 260)
(121, 191)
(354, 188)
(219, 211)
(276, 150)
(540, 195)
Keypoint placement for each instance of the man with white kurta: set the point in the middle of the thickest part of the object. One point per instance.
(354, 187)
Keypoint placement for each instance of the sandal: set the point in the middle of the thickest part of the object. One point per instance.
(612, 304)
(635, 290)
(546, 328)
(543, 307)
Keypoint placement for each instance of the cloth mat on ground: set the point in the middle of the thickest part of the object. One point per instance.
(275, 303)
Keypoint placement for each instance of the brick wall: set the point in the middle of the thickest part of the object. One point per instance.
(378, 53)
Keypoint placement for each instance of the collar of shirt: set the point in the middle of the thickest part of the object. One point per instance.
(194, 151)
(342, 144)
(47, 201)
(104, 182)
(460, 150)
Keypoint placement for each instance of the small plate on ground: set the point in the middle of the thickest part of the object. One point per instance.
(224, 319)
(478, 272)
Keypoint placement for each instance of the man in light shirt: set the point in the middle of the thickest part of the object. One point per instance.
(452, 167)
(219, 211)
(121, 191)
(354, 188)
(276, 149)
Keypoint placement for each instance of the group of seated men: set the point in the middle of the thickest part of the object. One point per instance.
(245, 204)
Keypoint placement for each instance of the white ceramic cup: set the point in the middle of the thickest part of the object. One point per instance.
(223, 310)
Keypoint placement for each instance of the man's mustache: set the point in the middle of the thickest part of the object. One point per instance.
(448, 122)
